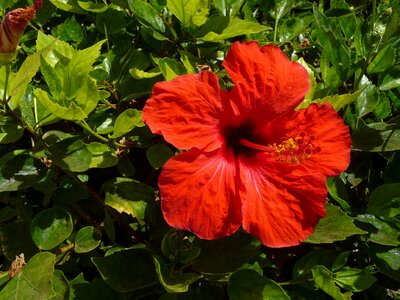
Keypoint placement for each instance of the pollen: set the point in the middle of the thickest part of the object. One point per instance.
(295, 150)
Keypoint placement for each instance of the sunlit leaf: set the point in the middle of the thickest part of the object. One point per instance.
(51, 227)
(29, 284)
(335, 226)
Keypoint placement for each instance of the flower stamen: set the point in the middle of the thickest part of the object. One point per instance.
(294, 150)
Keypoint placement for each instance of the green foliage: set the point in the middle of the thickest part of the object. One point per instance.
(78, 167)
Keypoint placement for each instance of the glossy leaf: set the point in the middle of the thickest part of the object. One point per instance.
(127, 270)
(51, 227)
(27, 284)
(324, 280)
(92, 6)
(354, 280)
(383, 60)
(87, 239)
(170, 68)
(177, 283)
(102, 155)
(146, 14)
(19, 170)
(234, 28)
(384, 201)
(335, 226)
(10, 130)
(189, 12)
(111, 21)
(126, 121)
(386, 232)
(71, 154)
(158, 155)
(377, 137)
(128, 196)
(68, 5)
(248, 284)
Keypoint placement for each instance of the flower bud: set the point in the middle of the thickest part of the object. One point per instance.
(12, 28)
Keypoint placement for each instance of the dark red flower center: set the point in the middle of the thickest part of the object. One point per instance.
(292, 150)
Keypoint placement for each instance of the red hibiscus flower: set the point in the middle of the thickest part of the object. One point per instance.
(252, 159)
(12, 28)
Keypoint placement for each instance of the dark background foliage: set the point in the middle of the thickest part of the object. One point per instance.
(78, 168)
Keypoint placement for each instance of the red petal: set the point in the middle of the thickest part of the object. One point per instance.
(265, 78)
(331, 135)
(282, 204)
(199, 193)
(185, 111)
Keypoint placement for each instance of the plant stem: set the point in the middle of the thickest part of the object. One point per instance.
(86, 126)
(275, 27)
(8, 70)
(292, 282)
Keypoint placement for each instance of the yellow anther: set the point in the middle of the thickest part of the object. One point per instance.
(293, 150)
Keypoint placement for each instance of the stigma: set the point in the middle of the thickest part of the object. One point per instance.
(293, 150)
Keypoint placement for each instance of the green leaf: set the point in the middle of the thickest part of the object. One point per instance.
(10, 130)
(170, 68)
(177, 248)
(383, 60)
(15, 238)
(235, 27)
(111, 21)
(102, 155)
(60, 285)
(69, 30)
(129, 196)
(377, 137)
(28, 69)
(228, 7)
(87, 239)
(189, 12)
(140, 74)
(386, 259)
(336, 185)
(340, 260)
(71, 154)
(158, 155)
(339, 101)
(51, 227)
(127, 270)
(53, 77)
(95, 290)
(177, 283)
(146, 14)
(19, 170)
(391, 257)
(390, 80)
(303, 266)
(126, 121)
(367, 99)
(248, 284)
(384, 201)
(92, 6)
(354, 280)
(335, 226)
(324, 280)
(34, 281)
(225, 255)
(382, 109)
(72, 112)
(68, 5)
(387, 232)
